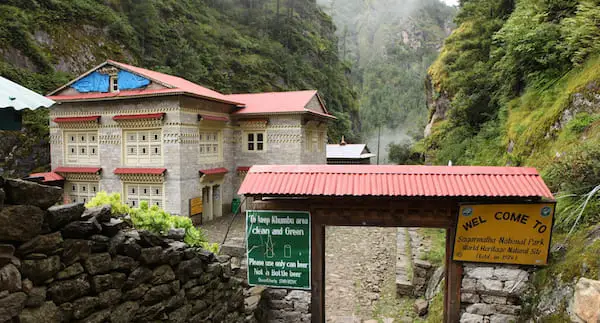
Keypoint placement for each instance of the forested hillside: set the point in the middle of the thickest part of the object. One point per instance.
(390, 44)
(229, 45)
(517, 83)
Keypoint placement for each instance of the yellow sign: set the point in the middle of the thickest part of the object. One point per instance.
(196, 206)
(504, 233)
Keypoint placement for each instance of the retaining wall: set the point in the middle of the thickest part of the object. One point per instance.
(66, 263)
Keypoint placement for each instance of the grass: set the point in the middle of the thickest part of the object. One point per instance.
(437, 253)
(531, 117)
(408, 251)
(390, 306)
(578, 258)
(436, 309)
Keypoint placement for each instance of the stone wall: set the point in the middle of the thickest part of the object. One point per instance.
(65, 263)
(413, 274)
(492, 293)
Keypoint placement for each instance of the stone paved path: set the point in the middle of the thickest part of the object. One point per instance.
(357, 261)
(217, 228)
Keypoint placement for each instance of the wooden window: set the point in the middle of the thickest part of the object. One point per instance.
(80, 192)
(210, 146)
(312, 141)
(321, 141)
(136, 193)
(143, 148)
(255, 141)
(81, 148)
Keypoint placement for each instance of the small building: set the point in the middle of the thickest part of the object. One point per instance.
(344, 153)
(160, 138)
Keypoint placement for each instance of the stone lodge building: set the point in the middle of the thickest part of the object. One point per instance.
(163, 139)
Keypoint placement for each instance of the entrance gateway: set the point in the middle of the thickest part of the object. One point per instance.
(490, 214)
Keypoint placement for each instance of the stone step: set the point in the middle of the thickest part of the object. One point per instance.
(344, 319)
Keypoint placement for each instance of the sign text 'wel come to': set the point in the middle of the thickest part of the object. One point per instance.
(504, 233)
(278, 248)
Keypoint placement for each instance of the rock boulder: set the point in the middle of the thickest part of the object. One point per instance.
(20, 222)
(586, 301)
(19, 192)
(61, 215)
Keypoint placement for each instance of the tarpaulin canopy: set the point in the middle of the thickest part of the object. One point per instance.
(13, 95)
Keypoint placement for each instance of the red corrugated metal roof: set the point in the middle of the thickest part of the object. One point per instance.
(212, 118)
(406, 181)
(243, 168)
(174, 84)
(147, 171)
(277, 102)
(48, 177)
(87, 170)
(76, 119)
(139, 116)
(213, 171)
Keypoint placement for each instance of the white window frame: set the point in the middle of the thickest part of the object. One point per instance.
(114, 83)
(210, 139)
(81, 147)
(143, 152)
(78, 192)
(255, 141)
(134, 194)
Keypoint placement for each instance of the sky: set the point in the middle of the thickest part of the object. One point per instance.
(450, 2)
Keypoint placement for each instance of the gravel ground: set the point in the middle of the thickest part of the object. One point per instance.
(358, 261)
(216, 229)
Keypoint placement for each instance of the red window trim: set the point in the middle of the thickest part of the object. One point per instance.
(202, 117)
(76, 119)
(83, 170)
(213, 171)
(146, 171)
(139, 116)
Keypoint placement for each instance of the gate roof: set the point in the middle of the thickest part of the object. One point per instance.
(394, 181)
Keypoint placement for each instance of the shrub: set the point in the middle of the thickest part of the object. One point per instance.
(154, 219)
(114, 200)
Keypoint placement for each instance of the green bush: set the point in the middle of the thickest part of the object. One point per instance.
(575, 175)
(581, 122)
(114, 200)
(578, 170)
(154, 219)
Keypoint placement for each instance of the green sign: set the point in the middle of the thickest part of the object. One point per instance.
(278, 248)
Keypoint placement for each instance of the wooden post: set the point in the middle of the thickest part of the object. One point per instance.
(318, 269)
(454, 272)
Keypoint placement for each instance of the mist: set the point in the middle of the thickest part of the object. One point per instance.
(388, 136)
(390, 44)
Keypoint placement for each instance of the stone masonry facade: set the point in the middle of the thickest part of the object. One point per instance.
(492, 293)
(180, 121)
(70, 264)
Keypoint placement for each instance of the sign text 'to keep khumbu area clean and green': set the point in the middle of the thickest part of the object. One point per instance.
(278, 248)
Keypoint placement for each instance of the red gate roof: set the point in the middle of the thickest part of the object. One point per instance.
(392, 180)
